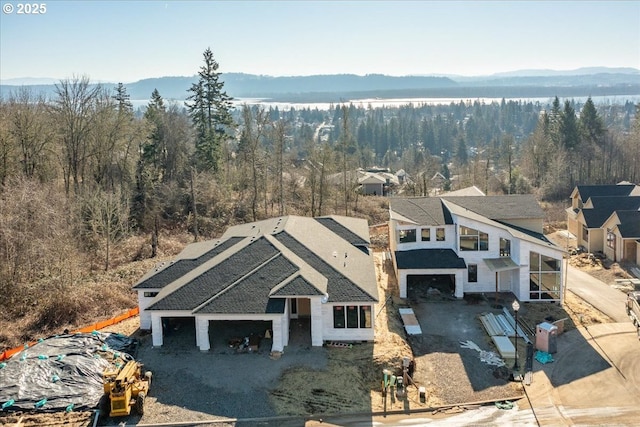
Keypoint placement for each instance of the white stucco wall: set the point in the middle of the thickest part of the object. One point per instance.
(143, 303)
(345, 334)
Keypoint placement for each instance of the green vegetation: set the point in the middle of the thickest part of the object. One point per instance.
(92, 190)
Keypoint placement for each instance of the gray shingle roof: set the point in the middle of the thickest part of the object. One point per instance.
(431, 211)
(298, 286)
(428, 258)
(629, 224)
(514, 206)
(604, 206)
(588, 191)
(181, 267)
(422, 210)
(263, 262)
(251, 293)
(339, 287)
(344, 233)
(219, 277)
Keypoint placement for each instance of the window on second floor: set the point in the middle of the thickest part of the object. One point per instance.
(473, 240)
(505, 247)
(425, 234)
(407, 236)
(440, 234)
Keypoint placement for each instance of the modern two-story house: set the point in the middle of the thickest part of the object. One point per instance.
(273, 270)
(477, 243)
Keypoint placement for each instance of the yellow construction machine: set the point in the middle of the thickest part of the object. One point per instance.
(124, 387)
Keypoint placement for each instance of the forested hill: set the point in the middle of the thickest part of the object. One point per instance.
(338, 87)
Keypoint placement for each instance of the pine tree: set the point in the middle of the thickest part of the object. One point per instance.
(209, 108)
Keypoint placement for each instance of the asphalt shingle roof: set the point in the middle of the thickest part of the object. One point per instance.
(299, 287)
(422, 210)
(431, 211)
(251, 293)
(629, 224)
(344, 233)
(183, 266)
(604, 206)
(219, 277)
(339, 287)
(428, 258)
(588, 191)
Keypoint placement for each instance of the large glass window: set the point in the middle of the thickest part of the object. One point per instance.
(472, 270)
(544, 277)
(425, 234)
(352, 316)
(473, 240)
(338, 316)
(407, 236)
(440, 234)
(505, 247)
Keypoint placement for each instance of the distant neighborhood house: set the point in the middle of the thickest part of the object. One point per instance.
(273, 270)
(476, 244)
(606, 218)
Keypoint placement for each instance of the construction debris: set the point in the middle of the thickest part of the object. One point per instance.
(488, 357)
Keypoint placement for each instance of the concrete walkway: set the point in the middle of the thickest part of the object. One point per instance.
(608, 300)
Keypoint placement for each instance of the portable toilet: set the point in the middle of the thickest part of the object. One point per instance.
(546, 334)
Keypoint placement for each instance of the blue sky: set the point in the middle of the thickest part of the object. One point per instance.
(130, 40)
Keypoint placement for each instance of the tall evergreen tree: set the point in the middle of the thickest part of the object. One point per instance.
(209, 108)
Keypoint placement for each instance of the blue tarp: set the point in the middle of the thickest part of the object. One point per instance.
(543, 357)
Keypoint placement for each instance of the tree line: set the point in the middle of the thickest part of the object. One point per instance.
(81, 171)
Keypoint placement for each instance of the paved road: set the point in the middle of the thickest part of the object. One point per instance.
(608, 300)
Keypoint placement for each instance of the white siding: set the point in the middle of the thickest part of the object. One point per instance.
(143, 303)
(345, 334)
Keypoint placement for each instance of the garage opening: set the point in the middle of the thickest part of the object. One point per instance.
(426, 285)
(233, 336)
(179, 331)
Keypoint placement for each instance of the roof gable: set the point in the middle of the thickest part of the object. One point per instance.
(250, 294)
(299, 286)
(603, 206)
(217, 278)
(179, 268)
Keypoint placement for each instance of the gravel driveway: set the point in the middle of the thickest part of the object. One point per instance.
(453, 374)
(190, 385)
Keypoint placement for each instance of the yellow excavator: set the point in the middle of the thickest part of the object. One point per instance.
(124, 387)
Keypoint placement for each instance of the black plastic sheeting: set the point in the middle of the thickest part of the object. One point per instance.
(63, 372)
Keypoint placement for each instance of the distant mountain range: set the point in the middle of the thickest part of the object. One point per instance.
(595, 81)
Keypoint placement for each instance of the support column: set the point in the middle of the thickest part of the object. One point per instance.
(202, 334)
(316, 322)
(459, 284)
(156, 330)
(276, 327)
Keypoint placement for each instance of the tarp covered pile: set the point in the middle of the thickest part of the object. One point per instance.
(63, 372)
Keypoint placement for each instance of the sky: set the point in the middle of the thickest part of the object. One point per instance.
(125, 41)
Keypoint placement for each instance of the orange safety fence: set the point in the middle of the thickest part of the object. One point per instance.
(87, 329)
